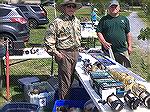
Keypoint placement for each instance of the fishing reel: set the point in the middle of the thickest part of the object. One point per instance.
(140, 91)
(114, 102)
(87, 65)
(145, 97)
(131, 100)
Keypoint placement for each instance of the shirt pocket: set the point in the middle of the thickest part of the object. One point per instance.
(65, 32)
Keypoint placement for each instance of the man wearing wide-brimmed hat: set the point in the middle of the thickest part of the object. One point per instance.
(63, 40)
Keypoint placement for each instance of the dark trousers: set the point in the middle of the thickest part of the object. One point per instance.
(122, 58)
(66, 68)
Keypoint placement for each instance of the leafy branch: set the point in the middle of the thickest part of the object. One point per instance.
(144, 34)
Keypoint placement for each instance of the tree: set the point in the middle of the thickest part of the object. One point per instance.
(100, 5)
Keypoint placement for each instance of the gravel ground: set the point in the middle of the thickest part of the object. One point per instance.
(136, 24)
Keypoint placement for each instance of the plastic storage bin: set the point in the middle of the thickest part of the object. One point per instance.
(69, 103)
(43, 96)
(25, 82)
(20, 107)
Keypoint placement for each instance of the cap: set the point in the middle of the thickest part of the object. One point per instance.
(113, 2)
(95, 9)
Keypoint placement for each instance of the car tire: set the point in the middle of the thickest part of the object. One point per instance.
(4, 37)
(33, 23)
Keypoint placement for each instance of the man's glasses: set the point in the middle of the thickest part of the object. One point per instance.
(71, 6)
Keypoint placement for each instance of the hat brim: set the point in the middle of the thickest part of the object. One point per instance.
(60, 7)
(113, 4)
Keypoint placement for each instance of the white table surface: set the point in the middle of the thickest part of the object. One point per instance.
(88, 31)
(84, 78)
(41, 54)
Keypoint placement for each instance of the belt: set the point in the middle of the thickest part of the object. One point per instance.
(70, 49)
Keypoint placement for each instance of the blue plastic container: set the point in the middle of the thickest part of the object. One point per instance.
(25, 82)
(69, 103)
(45, 99)
(20, 107)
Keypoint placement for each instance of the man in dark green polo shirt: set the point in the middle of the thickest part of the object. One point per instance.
(113, 31)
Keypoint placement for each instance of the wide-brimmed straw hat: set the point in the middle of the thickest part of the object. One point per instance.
(60, 7)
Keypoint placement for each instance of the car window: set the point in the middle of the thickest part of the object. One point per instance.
(23, 8)
(35, 8)
(4, 12)
(20, 13)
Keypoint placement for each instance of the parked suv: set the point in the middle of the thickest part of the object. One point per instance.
(13, 24)
(35, 13)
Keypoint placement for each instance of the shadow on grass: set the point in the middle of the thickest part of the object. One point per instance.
(41, 27)
(18, 98)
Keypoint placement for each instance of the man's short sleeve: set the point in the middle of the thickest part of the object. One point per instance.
(100, 26)
(127, 26)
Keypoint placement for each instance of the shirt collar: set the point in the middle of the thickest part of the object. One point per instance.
(67, 17)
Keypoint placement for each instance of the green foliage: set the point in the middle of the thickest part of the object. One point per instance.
(58, 1)
(101, 8)
(2, 1)
(146, 6)
(144, 34)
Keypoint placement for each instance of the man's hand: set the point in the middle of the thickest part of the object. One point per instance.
(102, 40)
(130, 50)
(106, 45)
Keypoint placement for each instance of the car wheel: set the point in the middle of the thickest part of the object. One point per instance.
(33, 23)
(4, 38)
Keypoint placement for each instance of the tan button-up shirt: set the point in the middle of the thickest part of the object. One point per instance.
(63, 33)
